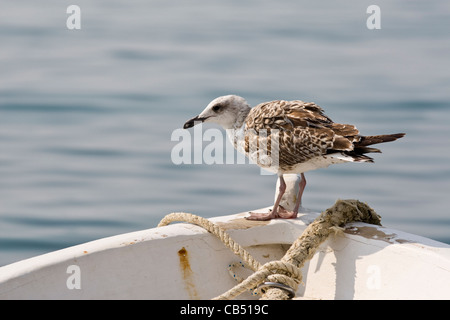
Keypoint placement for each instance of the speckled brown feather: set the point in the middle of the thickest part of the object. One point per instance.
(304, 132)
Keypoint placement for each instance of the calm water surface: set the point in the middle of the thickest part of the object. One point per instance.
(86, 116)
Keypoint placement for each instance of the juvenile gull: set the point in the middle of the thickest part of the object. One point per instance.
(288, 137)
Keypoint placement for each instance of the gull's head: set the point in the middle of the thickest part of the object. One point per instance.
(228, 111)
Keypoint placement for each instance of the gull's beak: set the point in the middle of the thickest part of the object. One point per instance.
(192, 122)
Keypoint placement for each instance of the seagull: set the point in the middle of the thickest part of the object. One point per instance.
(288, 137)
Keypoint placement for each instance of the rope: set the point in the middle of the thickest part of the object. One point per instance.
(286, 271)
(215, 230)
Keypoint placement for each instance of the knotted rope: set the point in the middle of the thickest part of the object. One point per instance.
(286, 271)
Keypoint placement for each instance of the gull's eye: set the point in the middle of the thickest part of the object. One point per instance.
(217, 107)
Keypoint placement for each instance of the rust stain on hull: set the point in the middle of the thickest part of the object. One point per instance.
(187, 274)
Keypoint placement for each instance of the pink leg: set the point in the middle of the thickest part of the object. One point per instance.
(278, 211)
(302, 186)
(274, 213)
(285, 214)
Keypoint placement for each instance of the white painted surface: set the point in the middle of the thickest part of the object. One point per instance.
(366, 262)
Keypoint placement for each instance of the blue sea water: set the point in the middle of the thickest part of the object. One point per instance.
(86, 116)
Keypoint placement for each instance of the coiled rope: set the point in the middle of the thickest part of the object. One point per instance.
(281, 278)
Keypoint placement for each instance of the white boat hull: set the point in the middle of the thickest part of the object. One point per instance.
(183, 261)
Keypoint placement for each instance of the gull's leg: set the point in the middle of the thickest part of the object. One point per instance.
(302, 186)
(285, 214)
(274, 213)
